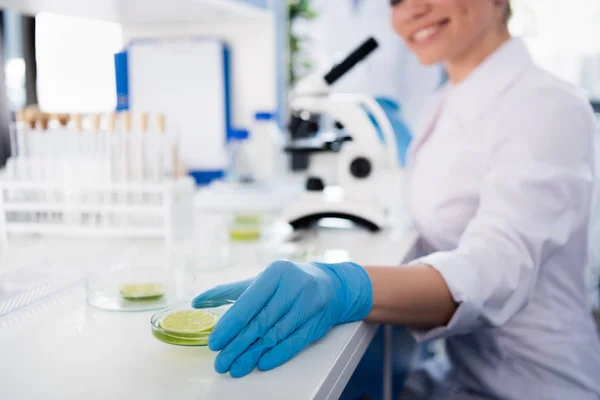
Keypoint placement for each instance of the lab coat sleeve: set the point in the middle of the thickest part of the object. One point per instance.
(535, 196)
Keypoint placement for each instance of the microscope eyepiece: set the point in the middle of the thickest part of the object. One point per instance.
(358, 55)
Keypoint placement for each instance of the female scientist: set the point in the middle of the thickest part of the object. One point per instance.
(501, 183)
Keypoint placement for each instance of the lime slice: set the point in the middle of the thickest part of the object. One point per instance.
(141, 291)
(189, 323)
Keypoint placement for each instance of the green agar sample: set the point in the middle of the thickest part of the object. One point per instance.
(248, 219)
(244, 234)
(179, 341)
(246, 227)
(142, 291)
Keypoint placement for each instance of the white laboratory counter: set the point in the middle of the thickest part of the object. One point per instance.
(54, 346)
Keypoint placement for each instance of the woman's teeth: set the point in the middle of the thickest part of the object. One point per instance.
(426, 33)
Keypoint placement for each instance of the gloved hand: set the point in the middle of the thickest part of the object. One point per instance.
(282, 310)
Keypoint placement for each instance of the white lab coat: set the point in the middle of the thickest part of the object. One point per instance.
(392, 71)
(500, 189)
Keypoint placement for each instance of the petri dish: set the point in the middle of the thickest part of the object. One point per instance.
(183, 325)
(130, 289)
(246, 227)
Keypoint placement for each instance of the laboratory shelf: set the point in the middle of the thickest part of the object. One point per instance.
(135, 12)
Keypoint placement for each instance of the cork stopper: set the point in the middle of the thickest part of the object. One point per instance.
(77, 122)
(126, 120)
(63, 119)
(112, 122)
(31, 115)
(96, 122)
(43, 121)
(144, 118)
(179, 168)
(160, 123)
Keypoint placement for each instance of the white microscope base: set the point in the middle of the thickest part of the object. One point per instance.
(313, 207)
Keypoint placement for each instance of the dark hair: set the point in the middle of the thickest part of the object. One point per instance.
(508, 14)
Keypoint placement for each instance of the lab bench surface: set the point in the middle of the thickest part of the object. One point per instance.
(59, 347)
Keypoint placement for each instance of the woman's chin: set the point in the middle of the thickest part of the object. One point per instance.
(429, 57)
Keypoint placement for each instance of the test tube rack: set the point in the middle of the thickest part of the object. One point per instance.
(103, 191)
(98, 209)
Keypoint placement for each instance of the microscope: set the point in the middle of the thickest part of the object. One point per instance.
(351, 145)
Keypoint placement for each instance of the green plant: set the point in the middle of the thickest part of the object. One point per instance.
(298, 10)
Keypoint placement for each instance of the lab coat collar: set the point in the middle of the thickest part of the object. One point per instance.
(478, 91)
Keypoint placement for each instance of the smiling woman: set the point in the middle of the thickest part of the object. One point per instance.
(500, 189)
(460, 33)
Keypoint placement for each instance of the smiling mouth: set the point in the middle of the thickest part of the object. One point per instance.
(427, 34)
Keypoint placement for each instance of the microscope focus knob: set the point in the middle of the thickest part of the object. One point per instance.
(315, 184)
(360, 168)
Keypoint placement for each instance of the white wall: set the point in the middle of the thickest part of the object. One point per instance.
(75, 63)
(564, 38)
(252, 45)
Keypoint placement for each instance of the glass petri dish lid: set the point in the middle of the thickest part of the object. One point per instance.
(184, 325)
(131, 289)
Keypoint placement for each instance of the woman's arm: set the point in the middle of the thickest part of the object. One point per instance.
(413, 295)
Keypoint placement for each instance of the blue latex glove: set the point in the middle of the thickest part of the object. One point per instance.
(282, 310)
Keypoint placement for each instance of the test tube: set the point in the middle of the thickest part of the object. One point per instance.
(44, 142)
(111, 144)
(44, 161)
(77, 167)
(14, 132)
(34, 160)
(54, 145)
(112, 156)
(96, 146)
(78, 142)
(27, 142)
(142, 150)
(160, 147)
(178, 169)
(143, 143)
(96, 136)
(54, 170)
(63, 140)
(126, 151)
(97, 166)
(13, 165)
(20, 148)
